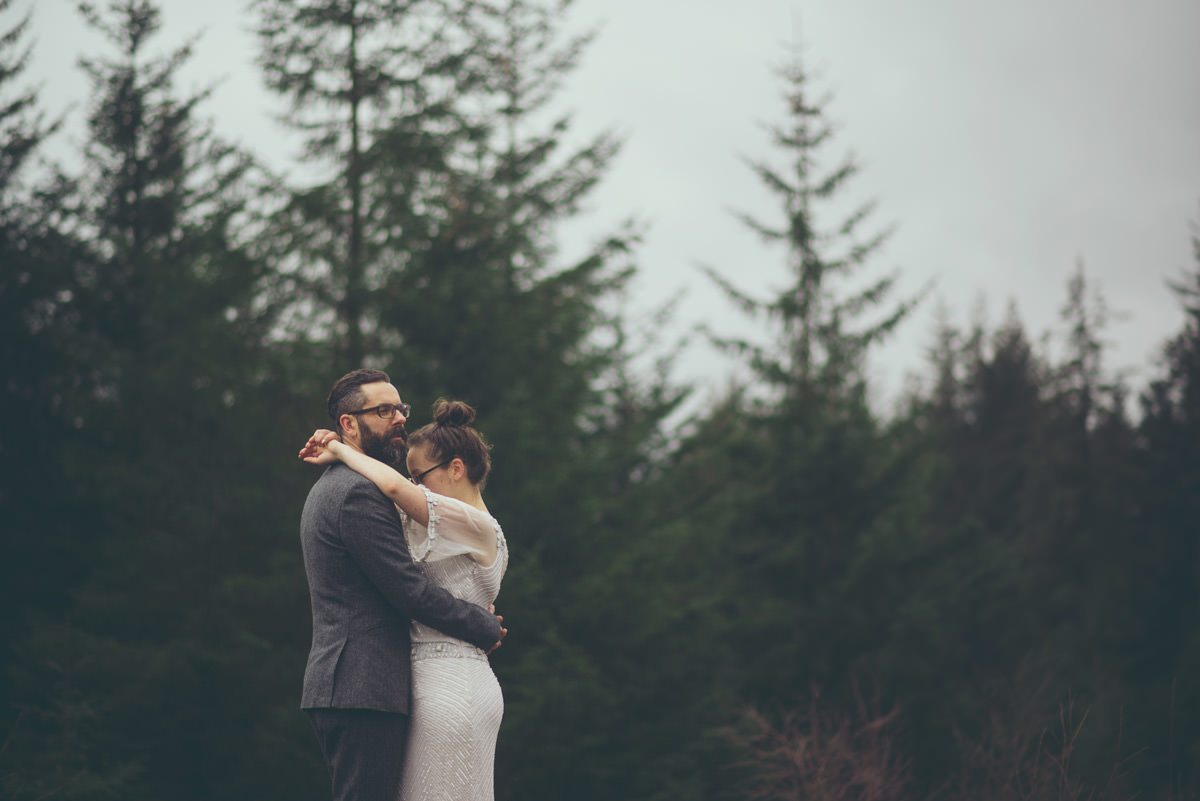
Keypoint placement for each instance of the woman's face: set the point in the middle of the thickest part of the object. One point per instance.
(423, 470)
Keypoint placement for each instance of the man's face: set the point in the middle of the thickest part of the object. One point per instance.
(385, 440)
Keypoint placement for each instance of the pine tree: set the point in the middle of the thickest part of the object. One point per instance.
(170, 357)
(775, 543)
(1036, 484)
(466, 175)
(40, 560)
(1166, 644)
(23, 129)
(1092, 455)
(482, 309)
(487, 311)
(818, 347)
(375, 88)
(818, 471)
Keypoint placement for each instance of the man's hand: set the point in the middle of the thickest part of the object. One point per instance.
(503, 631)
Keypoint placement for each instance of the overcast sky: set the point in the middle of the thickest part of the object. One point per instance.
(1006, 142)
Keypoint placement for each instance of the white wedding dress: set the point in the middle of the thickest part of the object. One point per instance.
(456, 701)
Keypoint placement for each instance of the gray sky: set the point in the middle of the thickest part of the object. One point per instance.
(1005, 143)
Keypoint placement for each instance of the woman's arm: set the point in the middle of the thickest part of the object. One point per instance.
(323, 447)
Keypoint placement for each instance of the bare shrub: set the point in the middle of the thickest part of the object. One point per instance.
(1021, 756)
(815, 755)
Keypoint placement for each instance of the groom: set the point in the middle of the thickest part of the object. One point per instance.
(365, 590)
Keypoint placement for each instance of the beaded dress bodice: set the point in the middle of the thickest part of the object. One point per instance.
(445, 553)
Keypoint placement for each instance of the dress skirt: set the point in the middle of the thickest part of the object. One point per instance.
(456, 710)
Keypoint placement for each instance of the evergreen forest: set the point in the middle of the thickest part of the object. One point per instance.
(986, 593)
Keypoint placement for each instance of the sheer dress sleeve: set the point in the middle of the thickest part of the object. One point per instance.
(455, 528)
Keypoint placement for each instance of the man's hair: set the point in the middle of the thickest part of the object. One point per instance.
(347, 395)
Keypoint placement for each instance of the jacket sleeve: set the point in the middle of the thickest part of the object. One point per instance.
(371, 531)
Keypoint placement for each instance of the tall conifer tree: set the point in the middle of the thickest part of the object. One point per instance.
(169, 348)
(488, 310)
(819, 482)
(1165, 579)
(821, 338)
(775, 537)
(40, 559)
(374, 88)
(465, 175)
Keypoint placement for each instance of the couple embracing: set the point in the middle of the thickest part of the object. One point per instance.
(402, 573)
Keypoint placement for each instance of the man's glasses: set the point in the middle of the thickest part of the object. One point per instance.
(419, 476)
(386, 410)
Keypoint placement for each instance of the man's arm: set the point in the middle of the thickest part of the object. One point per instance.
(371, 531)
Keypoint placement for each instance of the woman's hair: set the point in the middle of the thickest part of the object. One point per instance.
(451, 436)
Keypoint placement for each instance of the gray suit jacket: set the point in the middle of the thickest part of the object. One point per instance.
(364, 589)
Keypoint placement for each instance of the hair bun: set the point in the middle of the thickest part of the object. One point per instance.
(452, 413)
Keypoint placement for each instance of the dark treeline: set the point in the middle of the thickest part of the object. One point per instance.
(989, 593)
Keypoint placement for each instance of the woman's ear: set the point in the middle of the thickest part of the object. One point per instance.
(458, 468)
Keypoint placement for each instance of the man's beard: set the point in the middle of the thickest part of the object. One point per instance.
(382, 447)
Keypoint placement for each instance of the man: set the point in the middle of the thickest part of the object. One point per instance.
(364, 590)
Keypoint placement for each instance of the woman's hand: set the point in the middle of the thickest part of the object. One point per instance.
(317, 450)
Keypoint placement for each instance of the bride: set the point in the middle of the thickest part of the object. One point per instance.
(456, 701)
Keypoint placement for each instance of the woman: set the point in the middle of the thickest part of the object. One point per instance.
(456, 700)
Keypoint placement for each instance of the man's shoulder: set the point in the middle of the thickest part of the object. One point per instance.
(339, 488)
(339, 481)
